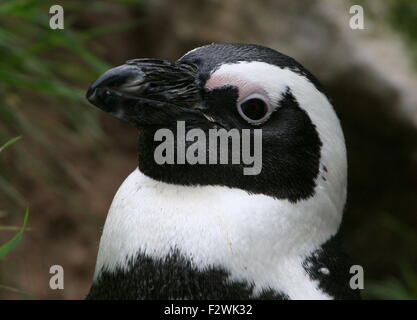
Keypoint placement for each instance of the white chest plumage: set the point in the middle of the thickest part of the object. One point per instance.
(255, 238)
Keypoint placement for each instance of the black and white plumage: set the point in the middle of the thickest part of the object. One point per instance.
(208, 231)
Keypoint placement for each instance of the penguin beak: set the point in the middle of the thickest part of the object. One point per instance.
(149, 92)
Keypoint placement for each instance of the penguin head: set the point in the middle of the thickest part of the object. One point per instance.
(233, 87)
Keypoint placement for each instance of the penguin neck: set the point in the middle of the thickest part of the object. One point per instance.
(257, 238)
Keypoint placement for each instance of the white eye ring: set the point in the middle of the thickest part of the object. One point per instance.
(267, 108)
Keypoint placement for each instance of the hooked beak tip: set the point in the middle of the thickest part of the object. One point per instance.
(113, 79)
(91, 92)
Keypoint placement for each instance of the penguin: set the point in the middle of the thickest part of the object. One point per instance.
(208, 231)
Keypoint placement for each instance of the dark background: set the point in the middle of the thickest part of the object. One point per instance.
(71, 158)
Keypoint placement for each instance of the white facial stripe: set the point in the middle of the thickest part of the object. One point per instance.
(254, 74)
(275, 81)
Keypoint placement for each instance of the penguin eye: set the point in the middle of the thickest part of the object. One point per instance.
(254, 108)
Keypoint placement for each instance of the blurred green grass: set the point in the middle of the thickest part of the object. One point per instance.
(12, 243)
(50, 70)
(7, 247)
(44, 74)
(28, 72)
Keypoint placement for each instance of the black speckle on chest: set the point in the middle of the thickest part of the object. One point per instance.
(330, 266)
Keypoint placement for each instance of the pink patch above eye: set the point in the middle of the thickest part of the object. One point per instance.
(245, 87)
